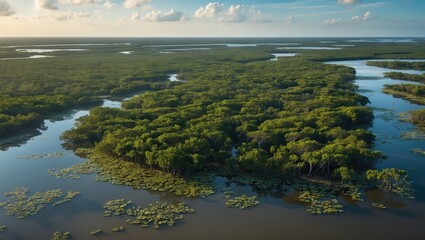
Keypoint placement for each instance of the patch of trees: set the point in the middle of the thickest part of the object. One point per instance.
(406, 76)
(412, 92)
(400, 65)
(286, 117)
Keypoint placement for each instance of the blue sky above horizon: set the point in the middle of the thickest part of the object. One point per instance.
(226, 18)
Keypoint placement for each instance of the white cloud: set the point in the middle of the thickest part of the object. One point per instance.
(5, 8)
(82, 2)
(365, 17)
(108, 5)
(158, 16)
(234, 14)
(209, 11)
(46, 4)
(147, 7)
(258, 16)
(333, 21)
(64, 16)
(134, 3)
(348, 2)
(289, 20)
(135, 16)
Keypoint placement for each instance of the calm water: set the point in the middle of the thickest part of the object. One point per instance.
(275, 218)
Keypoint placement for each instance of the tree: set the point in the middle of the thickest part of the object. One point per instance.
(389, 179)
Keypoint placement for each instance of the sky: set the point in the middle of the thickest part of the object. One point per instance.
(226, 18)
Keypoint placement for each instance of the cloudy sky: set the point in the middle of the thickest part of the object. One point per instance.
(226, 18)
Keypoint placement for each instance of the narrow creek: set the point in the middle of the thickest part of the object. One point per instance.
(275, 218)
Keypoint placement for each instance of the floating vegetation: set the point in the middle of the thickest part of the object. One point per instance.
(159, 213)
(69, 196)
(352, 191)
(115, 207)
(2, 228)
(21, 205)
(379, 205)
(228, 194)
(61, 236)
(156, 214)
(319, 206)
(119, 172)
(417, 135)
(118, 229)
(418, 151)
(75, 171)
(321, 198)
(95, 232)
(242, 202)
(42, 155)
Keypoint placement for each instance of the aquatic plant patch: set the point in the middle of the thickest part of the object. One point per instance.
(61, 236)
(159, 213)
(2, 228)
(418, 151)
(118, 172)
(96, 231)
(21, 205)
(242, 202)
(156, 214)
(115, 207)
(42, 155)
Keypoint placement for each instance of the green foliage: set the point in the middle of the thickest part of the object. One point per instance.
(21, 205)
(412, 92)
(2, 228)
(131, 174)
(159, 213)
(418, 151)
(391, 180)
(242, 202)
(401, 65)
(96, 231)
(68, 197)
(286, 118)
(118, 229)
(61, 236)
(156, 214)
(318, 206)
(406, 76)
(115, 207)
(417, 117)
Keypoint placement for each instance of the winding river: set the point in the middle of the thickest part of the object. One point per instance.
(275, 218)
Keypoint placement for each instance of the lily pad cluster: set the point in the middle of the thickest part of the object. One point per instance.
(61, 236)
(352, 191)
(418, 151)
(74, 172)
(115, 207)
(156, 214)
(379, 205)
(415, 135)
(42, 155)
(159, 213)
(319, 206)
(321, 198)
(96, 231)
(68, 197)
(242, 202)
(118, 229)
(131, 174)
(21, 205)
